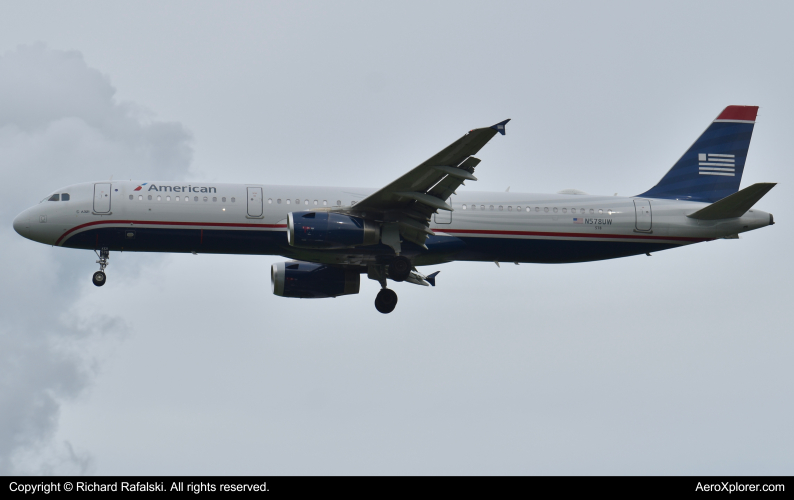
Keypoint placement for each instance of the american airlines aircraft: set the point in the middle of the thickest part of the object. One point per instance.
(334, 235)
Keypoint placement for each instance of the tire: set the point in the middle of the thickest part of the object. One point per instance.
(99, 278)
(386, 301)
(399, 268)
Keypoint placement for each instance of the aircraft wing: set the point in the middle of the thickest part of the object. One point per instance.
(406, 205)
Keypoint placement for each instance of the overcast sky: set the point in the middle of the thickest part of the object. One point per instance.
(675, 364)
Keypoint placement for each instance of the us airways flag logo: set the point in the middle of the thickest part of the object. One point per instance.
(717, 164)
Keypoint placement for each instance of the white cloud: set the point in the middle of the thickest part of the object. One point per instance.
(60, 124)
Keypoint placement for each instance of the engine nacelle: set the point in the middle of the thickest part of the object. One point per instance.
(306, 280)
(330, 230)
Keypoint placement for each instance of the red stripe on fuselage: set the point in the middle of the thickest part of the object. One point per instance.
(445, 230)
(574, 235)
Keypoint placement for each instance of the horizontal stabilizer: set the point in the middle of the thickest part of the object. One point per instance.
(500, 127)
(432, 278)
(734, 205)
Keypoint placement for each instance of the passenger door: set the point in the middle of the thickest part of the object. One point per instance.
(644, 217)
(102, 197)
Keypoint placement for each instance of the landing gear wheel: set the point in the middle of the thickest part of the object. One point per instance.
(386, 301)
(99, 278)
(399, 268)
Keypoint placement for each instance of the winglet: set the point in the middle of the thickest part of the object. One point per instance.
(432, 278)
(500, 127)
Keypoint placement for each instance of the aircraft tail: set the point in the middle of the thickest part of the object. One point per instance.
(712, 167)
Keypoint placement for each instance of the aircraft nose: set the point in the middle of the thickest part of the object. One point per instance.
(22, 225)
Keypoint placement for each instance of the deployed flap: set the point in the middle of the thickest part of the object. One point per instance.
(424, 190)
(734, 205)
(426, 175)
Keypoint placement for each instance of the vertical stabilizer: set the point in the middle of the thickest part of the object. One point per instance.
(712, 167)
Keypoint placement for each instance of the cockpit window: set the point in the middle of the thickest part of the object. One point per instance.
(54, 197)
(65, 197)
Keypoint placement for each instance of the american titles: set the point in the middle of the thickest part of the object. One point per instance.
(182, 189)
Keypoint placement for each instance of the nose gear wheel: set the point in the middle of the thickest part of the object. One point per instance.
(100, 277)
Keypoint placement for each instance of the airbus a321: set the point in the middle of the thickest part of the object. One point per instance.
(334, 235)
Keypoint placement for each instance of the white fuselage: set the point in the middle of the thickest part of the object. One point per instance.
(251, 218)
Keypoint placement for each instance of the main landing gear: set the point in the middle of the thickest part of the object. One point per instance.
(99, 277)
(399, 269)
(386, 301)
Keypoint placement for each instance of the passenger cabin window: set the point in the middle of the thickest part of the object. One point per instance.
(140, 197)
(288, 201)
(464, 207)
(168, 198)
(232, 199)
(592, 211)
(555, 210)
(338, 203)
(270, 201)
(150, 197)
(131, 196)
(54, 197)
(159, 198)
(195, 198)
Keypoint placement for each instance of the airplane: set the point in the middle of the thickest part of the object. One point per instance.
(333, 235)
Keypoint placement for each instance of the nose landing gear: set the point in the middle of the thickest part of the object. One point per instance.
(99, 277)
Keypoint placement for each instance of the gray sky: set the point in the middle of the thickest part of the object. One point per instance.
(182, 364)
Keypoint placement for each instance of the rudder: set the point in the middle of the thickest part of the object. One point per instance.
(712, 167)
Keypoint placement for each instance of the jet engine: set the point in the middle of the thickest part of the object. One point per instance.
(306, 280)
(329, 230)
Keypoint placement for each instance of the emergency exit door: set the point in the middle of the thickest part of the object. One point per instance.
(444, 216)
(255, 202)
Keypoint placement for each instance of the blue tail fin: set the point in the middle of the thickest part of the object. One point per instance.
(712, 168)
